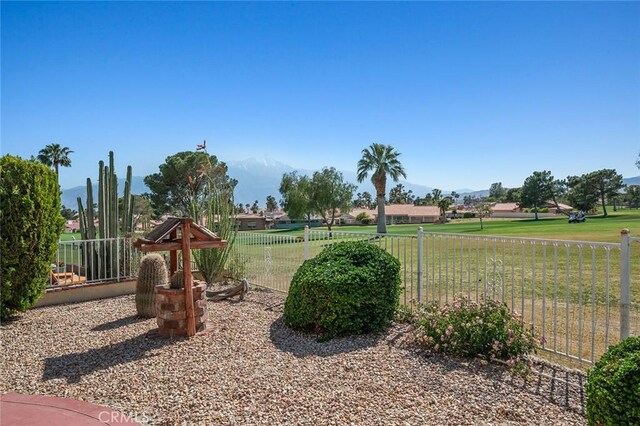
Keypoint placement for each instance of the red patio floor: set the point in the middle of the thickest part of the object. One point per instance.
(39, 410)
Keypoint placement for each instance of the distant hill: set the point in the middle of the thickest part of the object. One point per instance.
(69, 196)
(258, 178)
(632, 180)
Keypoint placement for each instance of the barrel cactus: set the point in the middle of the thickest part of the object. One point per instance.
(153, 272)
(177, 280)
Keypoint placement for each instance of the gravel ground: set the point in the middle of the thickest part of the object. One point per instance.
(251, 369)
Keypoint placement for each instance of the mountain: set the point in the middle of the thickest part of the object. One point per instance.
(69, 196)
(632, 180)
(258, 178)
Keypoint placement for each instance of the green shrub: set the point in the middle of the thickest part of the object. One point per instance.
(349, 288)
(489, 330)
(362, 215)
(613, 386)
(31, 225)
(363, 218)
(468, 215)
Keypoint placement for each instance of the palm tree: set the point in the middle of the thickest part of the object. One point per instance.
(54, 156)
(381, 160)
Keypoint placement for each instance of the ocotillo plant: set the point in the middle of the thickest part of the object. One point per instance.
(101, 262)
(214, 210)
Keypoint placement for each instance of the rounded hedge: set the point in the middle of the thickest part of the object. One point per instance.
(613, 386)
(349, 288)
(31, 226)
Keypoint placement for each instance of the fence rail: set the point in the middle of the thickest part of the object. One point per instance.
(571, 292)
(579, 296)
(87, 261)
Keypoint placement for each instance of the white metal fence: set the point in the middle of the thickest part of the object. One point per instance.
(87, 261)
(579, 296)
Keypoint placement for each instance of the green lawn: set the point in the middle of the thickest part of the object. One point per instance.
(566, 290)
(575, 295)
(596, 228)
(69, 236)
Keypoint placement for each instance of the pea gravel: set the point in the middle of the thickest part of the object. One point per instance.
(251, 369)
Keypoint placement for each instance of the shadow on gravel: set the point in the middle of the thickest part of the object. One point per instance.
(302, 345)
(556, 384)
(73, 366)
(560, 386)
(119, 323)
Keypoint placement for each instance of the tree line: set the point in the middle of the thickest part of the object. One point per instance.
(180, 184)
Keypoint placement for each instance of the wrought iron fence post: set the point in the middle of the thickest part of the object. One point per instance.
(625, 283)
(118, 239)
(306, 242)
(420, 261)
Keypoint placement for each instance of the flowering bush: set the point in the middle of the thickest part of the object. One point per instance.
(489, 330)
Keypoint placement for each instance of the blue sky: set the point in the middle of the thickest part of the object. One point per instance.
(469, 93)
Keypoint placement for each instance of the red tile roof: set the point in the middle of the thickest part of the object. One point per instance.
(401, 210)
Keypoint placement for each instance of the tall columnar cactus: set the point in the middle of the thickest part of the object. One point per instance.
(102, 262)
(153, 272)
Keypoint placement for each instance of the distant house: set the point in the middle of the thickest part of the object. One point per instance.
(501, 208)
(345, 219)
(561, 209)
(513, 210)
(71, 226)
(250, 222)
(403, 213)
(284, 222)
(271, 217)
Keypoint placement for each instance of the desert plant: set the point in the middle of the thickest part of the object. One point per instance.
(177, 280)
(237, 266)
(152, 272)
(211, 204)
(488, 329)
(112, 220)
(613, 386)
(349, 288)
(31, 226)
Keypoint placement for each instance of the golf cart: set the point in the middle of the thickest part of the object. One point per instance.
(577, 217)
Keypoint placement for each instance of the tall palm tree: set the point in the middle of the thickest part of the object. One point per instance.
(54, 156)
(381, 160)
